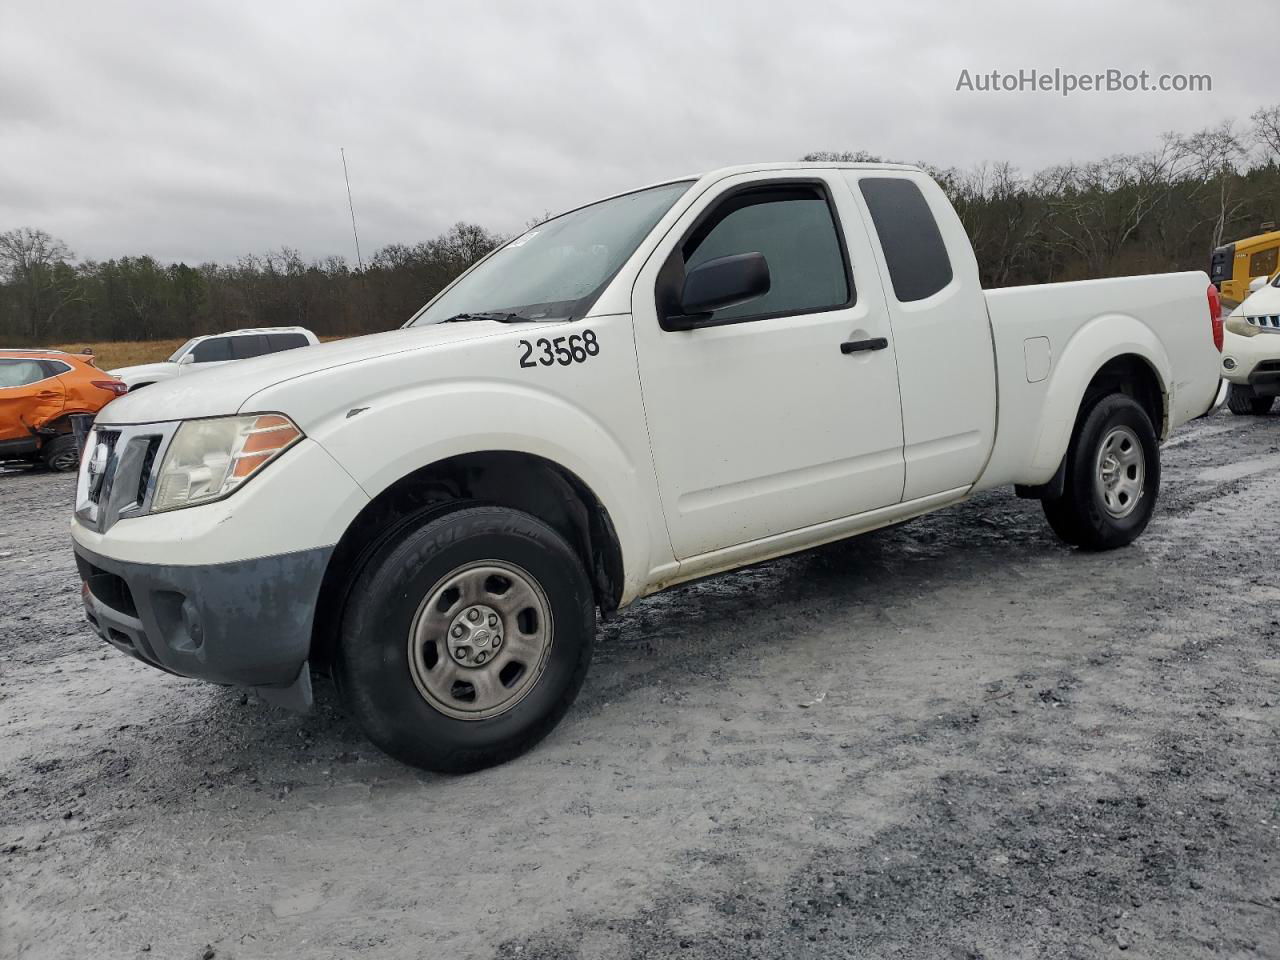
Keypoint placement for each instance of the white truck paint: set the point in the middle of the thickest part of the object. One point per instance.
(680, 452)
(215, 350)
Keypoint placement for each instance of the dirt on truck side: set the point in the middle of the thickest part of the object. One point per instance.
(956, 738)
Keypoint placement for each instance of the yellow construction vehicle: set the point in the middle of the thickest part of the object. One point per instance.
(1233, 265)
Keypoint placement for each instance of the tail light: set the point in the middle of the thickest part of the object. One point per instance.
(1215, 316)
(120, 389)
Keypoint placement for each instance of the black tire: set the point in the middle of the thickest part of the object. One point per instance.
(61, 454)
(372, 664)
(1081, 516)
(1243, 401)
(1062, 520)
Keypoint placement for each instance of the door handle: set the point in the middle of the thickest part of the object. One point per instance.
(854, 346)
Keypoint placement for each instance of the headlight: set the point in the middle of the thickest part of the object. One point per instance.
(1241, 327)
(209, 459)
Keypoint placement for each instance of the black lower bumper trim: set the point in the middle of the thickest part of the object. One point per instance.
(247, 622)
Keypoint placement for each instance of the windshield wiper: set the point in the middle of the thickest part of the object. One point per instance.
(499, 317)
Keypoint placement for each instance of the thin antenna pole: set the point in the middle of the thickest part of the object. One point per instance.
(351, 207)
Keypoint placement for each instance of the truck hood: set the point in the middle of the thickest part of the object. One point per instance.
(223, 389)
(1264, 303)
(139, 371)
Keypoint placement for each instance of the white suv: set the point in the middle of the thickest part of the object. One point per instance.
(1251, 354)
(201, 353)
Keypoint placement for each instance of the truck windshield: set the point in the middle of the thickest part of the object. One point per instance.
(556, 270)
(177, 354)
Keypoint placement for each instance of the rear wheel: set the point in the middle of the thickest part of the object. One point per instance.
(466, 638)
(61, 454)
(1242, 400)
(1112, 477)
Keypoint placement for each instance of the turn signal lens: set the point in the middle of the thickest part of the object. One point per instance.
(269, 435)
(208, 459)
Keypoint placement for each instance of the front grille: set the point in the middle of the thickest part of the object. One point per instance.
(118, 472)
(103, 461)
(1267, 321)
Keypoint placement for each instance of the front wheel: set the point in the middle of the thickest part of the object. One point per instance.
(1112, 477)
(1243, 401)
(466, 639)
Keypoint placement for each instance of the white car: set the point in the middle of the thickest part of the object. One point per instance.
(1251, 354)
(202, 353)
(669, 383)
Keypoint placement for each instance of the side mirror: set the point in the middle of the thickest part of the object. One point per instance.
(716, 284)
(186, 358)
(1257, 283)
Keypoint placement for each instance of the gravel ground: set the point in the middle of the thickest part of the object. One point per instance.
(953, 739)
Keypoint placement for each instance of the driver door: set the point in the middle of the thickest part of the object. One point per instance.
(768, 422)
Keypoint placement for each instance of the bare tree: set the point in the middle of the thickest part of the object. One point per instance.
(843, 156)
(36, 263)
(1217, 154)
(1266, 131)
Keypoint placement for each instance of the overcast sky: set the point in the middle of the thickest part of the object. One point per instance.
(201, 131)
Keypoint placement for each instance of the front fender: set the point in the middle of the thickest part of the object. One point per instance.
(401, 433)
(1100, 340)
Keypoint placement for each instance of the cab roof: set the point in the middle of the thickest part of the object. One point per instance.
(719, 173)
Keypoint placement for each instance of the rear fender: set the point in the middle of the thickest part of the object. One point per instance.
(1102, 339)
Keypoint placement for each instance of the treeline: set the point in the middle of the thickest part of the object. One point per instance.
(1161, 210)
(1165, 209)
(45, 297)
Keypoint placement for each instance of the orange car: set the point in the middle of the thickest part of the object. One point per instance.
(40, 390)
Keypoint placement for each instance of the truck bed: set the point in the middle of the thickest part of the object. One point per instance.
(1039, 331)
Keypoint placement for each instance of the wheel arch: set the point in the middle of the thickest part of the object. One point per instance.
(1111, 354)
(511, 478)
(62, 423)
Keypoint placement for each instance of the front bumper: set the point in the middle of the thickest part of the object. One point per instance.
(1254, 360)
(246, 622)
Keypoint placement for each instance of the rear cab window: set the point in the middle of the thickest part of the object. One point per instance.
(914, 251)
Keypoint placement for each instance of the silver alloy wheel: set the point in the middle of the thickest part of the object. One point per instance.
(65, 462)
(480, 640)
(1121, 472)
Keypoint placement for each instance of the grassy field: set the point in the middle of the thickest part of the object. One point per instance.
(125, 353)
(112, 354)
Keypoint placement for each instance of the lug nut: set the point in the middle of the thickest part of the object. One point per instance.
(493, 621)
(457, 631)
(473, 615)
(480, 658)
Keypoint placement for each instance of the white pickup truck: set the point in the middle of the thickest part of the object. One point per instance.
(669, 383)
